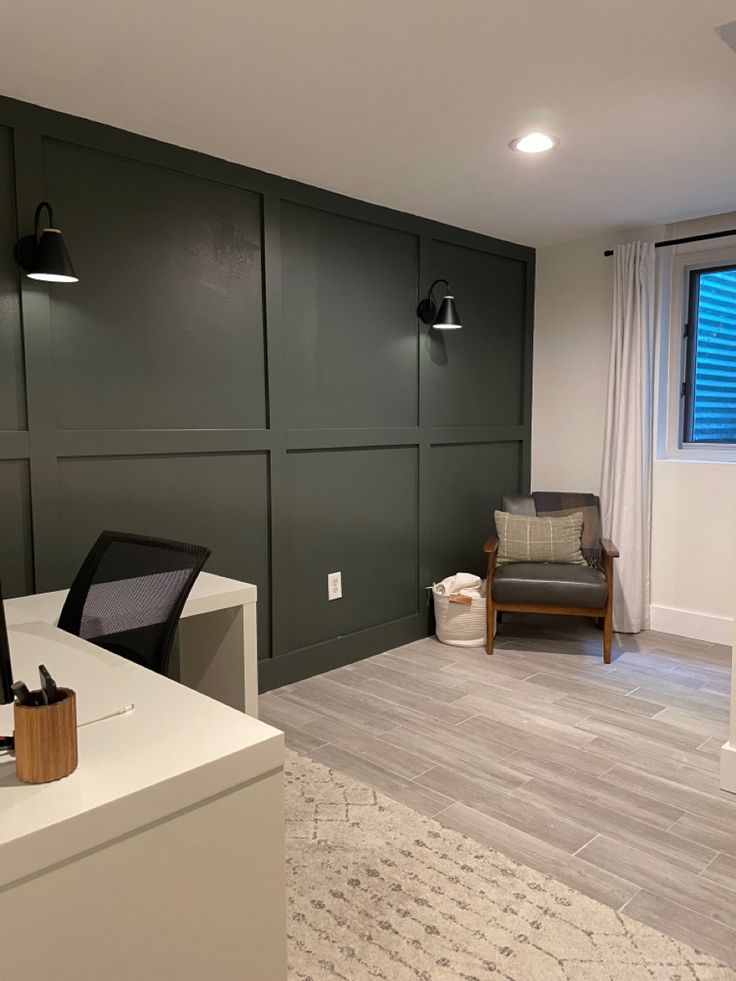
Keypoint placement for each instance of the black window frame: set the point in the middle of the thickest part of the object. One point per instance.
(687, 390)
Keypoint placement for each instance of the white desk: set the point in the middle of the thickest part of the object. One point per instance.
(217, 636)
(162, 855)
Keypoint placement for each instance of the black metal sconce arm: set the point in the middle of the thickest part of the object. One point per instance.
(26, 248)
(427, 308)
(37, 217)
(44, 255)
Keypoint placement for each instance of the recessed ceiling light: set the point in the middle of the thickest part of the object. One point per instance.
(534, 143)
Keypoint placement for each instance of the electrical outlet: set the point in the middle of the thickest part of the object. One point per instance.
(334, 585)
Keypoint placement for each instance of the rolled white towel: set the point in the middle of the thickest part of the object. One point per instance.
(472, 593)
(458, 583)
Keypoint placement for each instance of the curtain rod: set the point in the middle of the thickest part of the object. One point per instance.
(689, 238)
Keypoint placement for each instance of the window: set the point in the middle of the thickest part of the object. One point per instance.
(709, 387)
(696, 376)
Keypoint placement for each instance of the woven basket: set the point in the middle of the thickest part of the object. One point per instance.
(458, 624)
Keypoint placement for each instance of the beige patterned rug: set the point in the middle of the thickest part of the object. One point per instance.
(377, 892)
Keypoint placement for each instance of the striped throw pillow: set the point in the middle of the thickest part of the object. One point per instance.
(522, 539)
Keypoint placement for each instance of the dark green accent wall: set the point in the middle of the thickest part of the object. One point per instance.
(241, 366)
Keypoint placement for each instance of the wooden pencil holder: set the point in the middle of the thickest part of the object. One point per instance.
(46, 739)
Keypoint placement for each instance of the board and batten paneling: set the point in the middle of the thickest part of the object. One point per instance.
(347, 286)
(241, 366)
(12, 385)
(468, 481)
(167, 319)
(478, 379)
(220, 500)
(354, 511)
(16, 555)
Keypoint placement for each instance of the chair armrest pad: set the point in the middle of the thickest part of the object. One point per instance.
(491, 545)
(609, 548)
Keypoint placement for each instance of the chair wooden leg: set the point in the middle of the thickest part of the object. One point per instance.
(489, 622)
(608, 633)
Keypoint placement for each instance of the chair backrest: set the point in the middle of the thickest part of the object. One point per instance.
(129, 593)
(546, 502)
(519, 504)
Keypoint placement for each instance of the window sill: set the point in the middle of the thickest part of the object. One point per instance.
(702, 453)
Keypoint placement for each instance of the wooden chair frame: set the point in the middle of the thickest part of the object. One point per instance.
(605, 613)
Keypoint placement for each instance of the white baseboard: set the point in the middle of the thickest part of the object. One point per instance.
(688, 623)
(728, 767)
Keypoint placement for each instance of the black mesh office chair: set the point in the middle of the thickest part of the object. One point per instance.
(129, 593)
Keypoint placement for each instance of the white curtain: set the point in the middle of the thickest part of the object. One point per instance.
(626, 479)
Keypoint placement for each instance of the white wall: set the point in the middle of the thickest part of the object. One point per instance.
(728, 751)
(694, 549)
(694, 504)
(572, 328)
(571, 333)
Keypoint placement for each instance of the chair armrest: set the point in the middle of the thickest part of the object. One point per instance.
(609, 548)
(491, 545)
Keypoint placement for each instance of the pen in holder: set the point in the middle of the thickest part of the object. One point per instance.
(46, 738)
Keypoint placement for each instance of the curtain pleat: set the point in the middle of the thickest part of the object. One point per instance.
(626, 478)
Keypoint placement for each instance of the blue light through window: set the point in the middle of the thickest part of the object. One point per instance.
(710, 386)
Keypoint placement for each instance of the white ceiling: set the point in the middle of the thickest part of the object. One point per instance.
(411, 103)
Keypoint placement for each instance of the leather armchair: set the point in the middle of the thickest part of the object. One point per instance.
(551, 587)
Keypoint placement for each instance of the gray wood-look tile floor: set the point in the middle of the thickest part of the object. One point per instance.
(605, 777)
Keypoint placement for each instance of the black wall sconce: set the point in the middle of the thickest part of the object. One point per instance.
(45, 257)
(447, 317)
